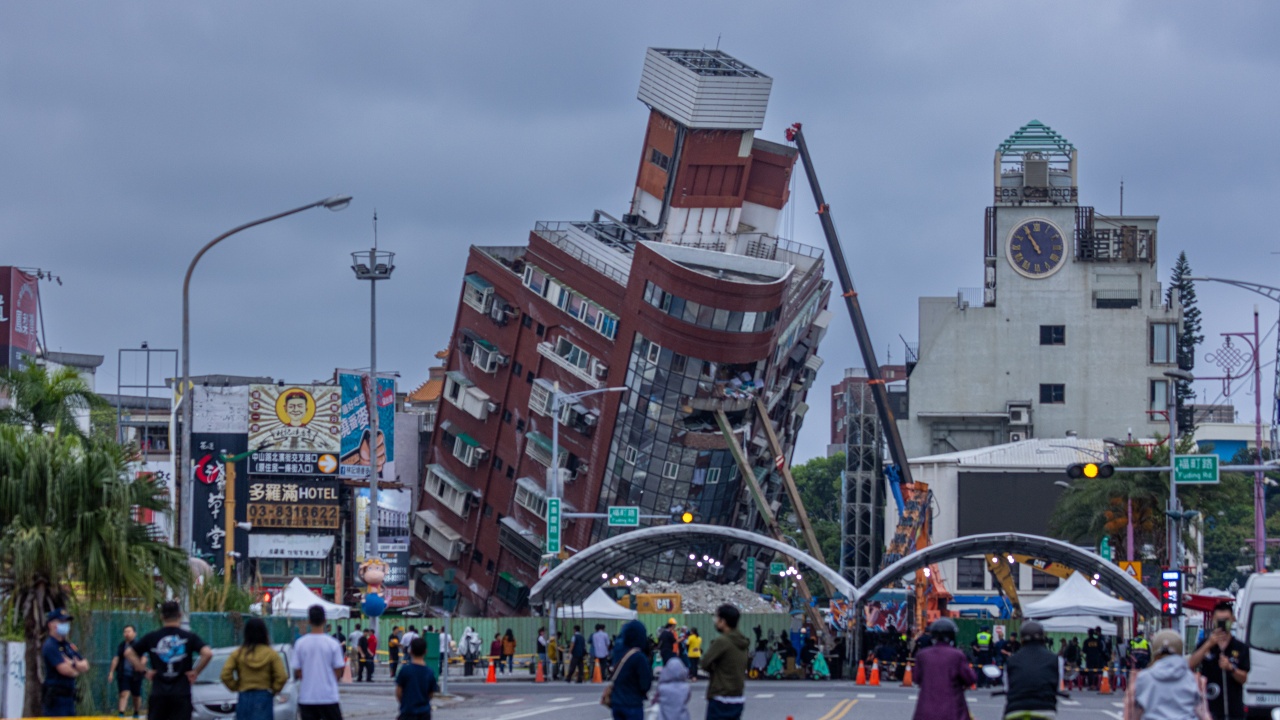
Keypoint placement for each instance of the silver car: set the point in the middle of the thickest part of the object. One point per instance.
(211, 700)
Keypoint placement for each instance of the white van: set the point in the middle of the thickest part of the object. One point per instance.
(1258, 626)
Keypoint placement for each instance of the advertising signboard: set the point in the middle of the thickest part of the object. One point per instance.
(281, 503)
(19, 315)
(355, 450)
(161, 473)
(311, 547)
(294, 418)
(393, 539)
(270, 462)
(208, 518)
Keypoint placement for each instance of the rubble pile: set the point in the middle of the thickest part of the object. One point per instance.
(705, 597)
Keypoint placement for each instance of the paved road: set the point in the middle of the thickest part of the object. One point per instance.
(766, 700)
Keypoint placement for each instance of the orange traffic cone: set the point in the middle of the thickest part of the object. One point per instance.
(862, 674)
(492, 677)
(906, 676)
(595, 672)
(346, 673)
(538, 676)
(875, 675)
(1105, 687)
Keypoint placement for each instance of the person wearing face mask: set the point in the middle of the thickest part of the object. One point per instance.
(1224, 662)
(63, 663)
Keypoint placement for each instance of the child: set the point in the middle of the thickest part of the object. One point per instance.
(673, 691)
(416, 683)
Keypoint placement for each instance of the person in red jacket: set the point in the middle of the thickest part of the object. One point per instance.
(944, 674)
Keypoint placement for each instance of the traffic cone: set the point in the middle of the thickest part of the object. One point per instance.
(906, 676)
(346, 673)
(1105, 687)
(595, 672)
(1062, 684)
(538, 676)
(862, 674)
(492, 677)
(875, 675)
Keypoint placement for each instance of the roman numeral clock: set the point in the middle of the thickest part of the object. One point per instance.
(1035, 248)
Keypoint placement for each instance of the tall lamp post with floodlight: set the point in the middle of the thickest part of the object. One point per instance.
(187, 497)
(373, 265)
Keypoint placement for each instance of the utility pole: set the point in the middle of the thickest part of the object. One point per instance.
(373, 266)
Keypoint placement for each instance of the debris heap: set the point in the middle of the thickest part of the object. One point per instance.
(705, 597)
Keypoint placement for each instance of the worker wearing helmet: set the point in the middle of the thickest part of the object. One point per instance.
(944, 674)
(1032, 673)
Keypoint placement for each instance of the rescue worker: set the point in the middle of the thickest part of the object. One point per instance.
(982, 653)
(1032, 673)
(1139, 651)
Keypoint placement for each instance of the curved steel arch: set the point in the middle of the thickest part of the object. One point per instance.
(1056, 550)
(579, 576)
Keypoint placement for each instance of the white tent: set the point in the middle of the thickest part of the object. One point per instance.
(1077, 596)
(296, 598)
(597, 606)
(1078, 624)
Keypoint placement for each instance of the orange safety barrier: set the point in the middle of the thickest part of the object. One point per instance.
(862, 674)
(875, 675)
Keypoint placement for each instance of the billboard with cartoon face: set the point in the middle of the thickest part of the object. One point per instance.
(304, 418)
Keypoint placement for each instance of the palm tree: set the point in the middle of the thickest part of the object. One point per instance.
(68, 512)
(43, 400)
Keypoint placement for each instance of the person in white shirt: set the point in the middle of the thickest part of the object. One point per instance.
(353, 645)
(318, 665)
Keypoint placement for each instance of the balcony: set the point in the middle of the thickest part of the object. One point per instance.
(548, 351)
(727, 404)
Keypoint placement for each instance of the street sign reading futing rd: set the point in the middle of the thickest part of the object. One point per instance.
(1195, 469)
(553, 525)
(624, 516)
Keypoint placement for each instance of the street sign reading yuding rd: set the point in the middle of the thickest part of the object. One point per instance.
(624, 516)
(553, 525)
(1195, 469)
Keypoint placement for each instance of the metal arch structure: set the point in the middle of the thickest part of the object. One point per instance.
(1056, 550)
(571, 582)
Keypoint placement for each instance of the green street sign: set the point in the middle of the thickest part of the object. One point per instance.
(553, 525)
(1104, 549)
(777, 568)
(1195, 469)
(751, 572)
(624, 516)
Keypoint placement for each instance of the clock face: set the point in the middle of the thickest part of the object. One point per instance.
(1036, 248)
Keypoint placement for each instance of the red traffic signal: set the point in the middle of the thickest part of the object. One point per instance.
(1090, 470)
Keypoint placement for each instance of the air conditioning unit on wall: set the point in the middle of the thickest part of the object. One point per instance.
(1019, 416)
(1017, 436)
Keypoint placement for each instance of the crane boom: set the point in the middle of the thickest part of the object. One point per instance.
(876, 381)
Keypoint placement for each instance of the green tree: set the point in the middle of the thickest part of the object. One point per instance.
(67, 513)
(44, 400)
(1098, 507)
(818, 482)
(1188, 339)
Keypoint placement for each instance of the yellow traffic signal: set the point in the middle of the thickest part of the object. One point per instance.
(686, 517)
(1091, 470)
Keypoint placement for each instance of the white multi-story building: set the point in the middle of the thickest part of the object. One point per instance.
(1071, 331)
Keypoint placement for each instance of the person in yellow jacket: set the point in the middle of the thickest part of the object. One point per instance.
(693, 647)
(255, 671)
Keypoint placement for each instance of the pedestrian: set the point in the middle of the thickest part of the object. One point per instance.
(600, 650)
(1223, 661)
(255, 671)
(408, 637)
(415, 684)
(470, 649)
(1167, 690)
(318, 666)
(632, 676)
(354, 640)
(393, 650)
(372, 634)
(1032, 673)
(667, 641)
(173, 670)
(495, 651)
(509, 650)
(337, 635)
(446, 649)
(63, 663)
(364, 660)
(577, 655)
(982, 647)
(129, 681)
(726, 664)
(555, 657)
(542, 651)
(1094, 658)
(694, 644)
(1139, 651)
(943, 673)
(672, 697)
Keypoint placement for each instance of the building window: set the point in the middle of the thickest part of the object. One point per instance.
(464, 395)
(713, 476)
(451, 492)
(307, 568)
(506, 416)
(575, 355)
(971, 573)
(660, 159)
(526, 321)
(1043, 581)
(670, 470)
(520, 426)
(1053, 334)
(1164, 343)
(466, 449)
(653, 353)
(540, 330)
(488, 510)
(540, 396)
(477, 293)
(489, 567)
(511, 471)
(531, 497)
(517, 369)
(1158, 399)
(477, 557)
(497, 463)
(273, 567)
(630, 455)
(486, 357)
(1053, 393)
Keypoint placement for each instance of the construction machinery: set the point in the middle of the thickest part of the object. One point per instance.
(1002, 569)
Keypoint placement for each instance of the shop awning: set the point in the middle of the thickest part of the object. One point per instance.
(459, 378)
(467, 439)
(477, 282)
(450, 479)
(532, 486)
(433, 581)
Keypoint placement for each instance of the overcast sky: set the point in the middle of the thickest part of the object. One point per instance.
(132, 133)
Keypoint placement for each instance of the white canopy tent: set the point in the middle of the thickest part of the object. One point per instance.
(296, 598)
(597, 606)
(1078, 624)
(1077, 596)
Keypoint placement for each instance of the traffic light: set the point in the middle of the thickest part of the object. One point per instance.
(1090, 470)
(686, 517)
(1171, 593)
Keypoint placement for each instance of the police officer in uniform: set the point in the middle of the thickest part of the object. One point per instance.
(982, 653)
(1140, 651)
(63, 663)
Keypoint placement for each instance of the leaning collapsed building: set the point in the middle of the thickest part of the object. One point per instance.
(689, 300)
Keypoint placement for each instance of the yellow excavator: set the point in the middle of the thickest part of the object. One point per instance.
(1002, 570)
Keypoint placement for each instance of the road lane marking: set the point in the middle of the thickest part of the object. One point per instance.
(815, 695)
(764, 695)
(539, 711)
(1118, 704)
(913, 697)
(1073, 702)
(559, 700)
(512, 701)
(841, 709)
(869, 696)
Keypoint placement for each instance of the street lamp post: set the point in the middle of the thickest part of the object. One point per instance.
(373, 266)
(186, 499)
(1174, 525)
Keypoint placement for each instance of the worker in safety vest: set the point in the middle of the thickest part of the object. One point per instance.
(1140, 651)
(982, 652)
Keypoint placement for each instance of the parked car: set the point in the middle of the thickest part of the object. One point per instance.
(211, 700)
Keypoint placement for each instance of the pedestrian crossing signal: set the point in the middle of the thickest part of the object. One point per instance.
(1090, 470)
